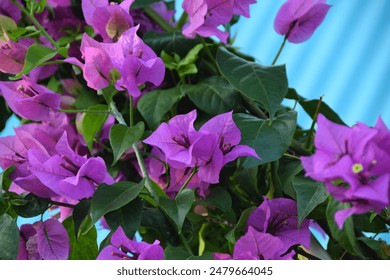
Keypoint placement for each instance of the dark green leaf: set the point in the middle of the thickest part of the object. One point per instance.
(310, 194)
(270, 138)
(219, 198)
(179, 253)
(80, 216)
(5, 182)
(9, 238)
(82, 248)
(266, 85)
(92, 124)
(32, 206)
(213, 95)
(5, 113)
(310, 107)
(178, 208)
(240, 228)
(109, 198)
(122, 137)
(170, 42)
(128, 217)
(155, 104)
(288, 169)
(142, 3)
(346, 236)
(35, 56)
(156, 221)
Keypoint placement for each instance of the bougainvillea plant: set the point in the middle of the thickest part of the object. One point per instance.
(156, 128)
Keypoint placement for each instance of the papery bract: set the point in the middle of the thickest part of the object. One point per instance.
(109, 20)
(47, 240)
(30, 100)
(9, 9)
(12, 56)
(279, 217)
(123, 248)
(298, 19)
(354, 165)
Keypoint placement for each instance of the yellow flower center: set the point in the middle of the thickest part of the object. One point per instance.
(357, 168)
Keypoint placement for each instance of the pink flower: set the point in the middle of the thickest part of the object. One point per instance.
(298, 19)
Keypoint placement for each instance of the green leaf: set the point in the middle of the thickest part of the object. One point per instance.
(310, 194)
(270, 138)
(157, 226)
(122, 137)
(219, 198)
(109, 198)
(170, 42)
(9, 238)
(7, 23)
(288, 169)
(142, 3)
(180, 253)
(82, 248)
(92, 123)
(310, 107)
(213, 95)
(5, 182)
(240, 228)
(35, 56)
(266, 85)
(178, 208)
(128, 217)
(5, 113)
(187, 65)
(80, 216)
(32, 206)
(155, 104)
(346, 236)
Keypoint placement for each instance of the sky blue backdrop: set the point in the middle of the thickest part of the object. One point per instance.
(347, 59)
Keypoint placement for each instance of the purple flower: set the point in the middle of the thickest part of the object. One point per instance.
(354, 165)
(229, 136)
(59, 3)
(9, 9)
(130, 57)
(30, 100)
(298, 19)
(109, 20)
(44, 241)
(122, 248)
(67, 173)
(176, 139)
(279, 217)
(12, 55)
(206, 16)
(209, 149)
(255, 245)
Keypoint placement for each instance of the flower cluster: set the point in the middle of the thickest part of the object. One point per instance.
(354, 164)
(205, 16)
(206, 150)
(272, 230)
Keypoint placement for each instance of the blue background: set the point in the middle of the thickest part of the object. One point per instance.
(347, 60)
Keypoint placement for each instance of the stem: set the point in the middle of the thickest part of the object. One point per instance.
(141, 163)
(209, 54)
(188, 179)
(62, 204)
(36, 23)
(291, 156)
(253, 108)
(157, 18)
(280, 49)
(131, 121)
(182, 21)
(185, 243)
(52, 62)
(297, 147)
(84, 111)
(308, 144)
